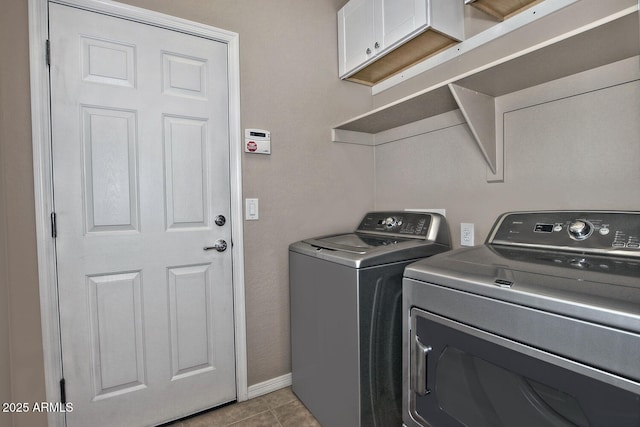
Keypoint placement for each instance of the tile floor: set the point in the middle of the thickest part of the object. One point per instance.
(278, 409)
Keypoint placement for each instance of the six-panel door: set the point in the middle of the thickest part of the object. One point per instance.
(140, 130)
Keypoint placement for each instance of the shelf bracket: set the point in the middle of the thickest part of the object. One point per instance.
(479, 110)
(353, 137)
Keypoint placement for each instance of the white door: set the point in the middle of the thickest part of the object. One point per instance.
(140, 131)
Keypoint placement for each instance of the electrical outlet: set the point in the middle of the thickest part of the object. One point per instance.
(466, 234)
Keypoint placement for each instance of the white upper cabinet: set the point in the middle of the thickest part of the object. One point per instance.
(371, 29)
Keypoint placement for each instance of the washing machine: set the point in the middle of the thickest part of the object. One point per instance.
(346, 314)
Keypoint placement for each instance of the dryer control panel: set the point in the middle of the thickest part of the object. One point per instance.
(591, 231)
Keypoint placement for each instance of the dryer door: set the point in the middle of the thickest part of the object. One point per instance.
(462, 376)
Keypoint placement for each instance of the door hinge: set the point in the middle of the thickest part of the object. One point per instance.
(63, 392)
(48, 53)
(54, 225)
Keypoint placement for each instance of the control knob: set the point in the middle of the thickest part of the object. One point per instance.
(391, 222)
(580, 229)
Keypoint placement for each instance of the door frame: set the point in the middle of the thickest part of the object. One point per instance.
(43, 181)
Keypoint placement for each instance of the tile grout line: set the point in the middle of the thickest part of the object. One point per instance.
(280, 406)
(247, 418)
(276, 416)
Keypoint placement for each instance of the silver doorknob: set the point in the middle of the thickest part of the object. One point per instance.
(220, 220)
(219, 245)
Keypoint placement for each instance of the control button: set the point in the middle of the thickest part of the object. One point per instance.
(604, 231)
(580, 229)
(579, 263)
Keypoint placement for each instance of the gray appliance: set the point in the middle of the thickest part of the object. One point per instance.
(540, 326)
(346, 301)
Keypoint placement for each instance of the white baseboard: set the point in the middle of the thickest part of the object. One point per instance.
(269, 386)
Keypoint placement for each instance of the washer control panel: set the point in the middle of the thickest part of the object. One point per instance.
(591, 231)
(406, 224)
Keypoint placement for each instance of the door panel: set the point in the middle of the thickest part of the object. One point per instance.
(184, 76)
(108, 62)
(190, 314)
(186, 172)
(140, 134)
(115, 306)
(111, 176)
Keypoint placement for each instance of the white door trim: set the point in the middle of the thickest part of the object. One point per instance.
(43, 185)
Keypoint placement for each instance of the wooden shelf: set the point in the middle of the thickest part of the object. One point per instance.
(419, 48)
(503, 9)
(610, 42)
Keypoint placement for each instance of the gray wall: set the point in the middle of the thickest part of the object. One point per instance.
(5, 371)
(20, 333)
(577, 152)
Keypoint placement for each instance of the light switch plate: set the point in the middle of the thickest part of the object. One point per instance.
(251, 209)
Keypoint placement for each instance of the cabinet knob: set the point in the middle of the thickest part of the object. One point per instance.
(377, 45)
(368, 51)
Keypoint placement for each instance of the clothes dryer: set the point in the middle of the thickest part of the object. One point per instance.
(538, 327)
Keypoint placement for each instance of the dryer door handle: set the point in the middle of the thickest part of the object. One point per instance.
(419, 355)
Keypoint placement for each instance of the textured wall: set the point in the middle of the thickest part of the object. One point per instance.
(578, 152)
(21, 287)
(5, 338)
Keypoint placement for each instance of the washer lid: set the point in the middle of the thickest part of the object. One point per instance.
(382, 238)
(359, 251)
(353, 243)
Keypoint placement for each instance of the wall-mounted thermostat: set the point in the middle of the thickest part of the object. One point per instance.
(257, 141)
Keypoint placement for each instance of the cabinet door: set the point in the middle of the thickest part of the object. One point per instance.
(355, 34)
(397, 20)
